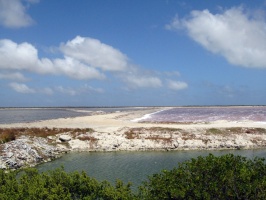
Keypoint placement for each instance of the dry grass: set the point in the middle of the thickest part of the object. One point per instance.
(205, 141)
(214, 131)
(9, 134)
(188, 136)
(158, 134)
(153, 132)
(165, 130)
(258, 141)
(87, 138)
(235, 130)
(157, 138)
(131, 135)
(255, 131)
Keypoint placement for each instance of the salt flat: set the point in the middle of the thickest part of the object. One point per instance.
(119, 131)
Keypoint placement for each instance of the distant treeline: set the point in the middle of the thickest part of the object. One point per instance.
(224, 177)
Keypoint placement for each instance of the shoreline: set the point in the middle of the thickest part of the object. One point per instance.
(147, 116)
(117, 131)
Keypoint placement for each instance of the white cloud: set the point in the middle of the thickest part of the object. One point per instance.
(236, 34)
(47, 91)
(172, 73)
(176, 85)
(21, 88)
(89, 89)
(136, 81)
(24, 56)
(175, 24)
(13, 13)
(68, 91)
(95, 53)
(17, 56)
(75, 69)
(33, 1)
(13, 76)
(78, 91)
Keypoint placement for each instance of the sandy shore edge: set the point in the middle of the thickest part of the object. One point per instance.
(120, 131)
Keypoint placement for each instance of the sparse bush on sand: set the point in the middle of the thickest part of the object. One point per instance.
(9, 134)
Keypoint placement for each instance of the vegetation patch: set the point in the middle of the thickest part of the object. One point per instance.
(9, 134)
(189, 136)
(165, 129)
(255, 130)
(165, 140)
(131, 134)
(214, 131)
(87, 138)
(235, 130)
(135, 133)
(224, 177)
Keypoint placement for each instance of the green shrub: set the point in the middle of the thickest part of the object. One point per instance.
(225, 177)
(58, 185)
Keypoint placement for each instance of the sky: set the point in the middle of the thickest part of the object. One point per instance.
(132, 53)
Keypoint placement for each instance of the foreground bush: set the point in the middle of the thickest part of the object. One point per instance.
(58, 185)
(225, 177)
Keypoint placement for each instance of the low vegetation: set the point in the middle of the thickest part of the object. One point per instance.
(225, 177)
(235, 130)
(9, 134)
(155, 133)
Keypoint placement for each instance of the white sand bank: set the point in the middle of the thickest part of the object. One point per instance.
(120, 132)
(111, 122)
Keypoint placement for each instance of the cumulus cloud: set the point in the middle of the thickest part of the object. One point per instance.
(47, 91)
(78, 91)
(135, 81)
(24, 56)
(95, 53)
(172, 73)
(176, 85)
(17, 56)
(68, 91)
(82, 59)
(21, 88)
(13, 76)
(13, 13)
(236, 34)
(89, 89)
(75, 69)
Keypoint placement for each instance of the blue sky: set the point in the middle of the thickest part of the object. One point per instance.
(132, 53)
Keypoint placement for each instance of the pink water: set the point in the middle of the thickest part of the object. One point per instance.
(209, 114)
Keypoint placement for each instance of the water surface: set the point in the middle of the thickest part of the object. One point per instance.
(132, 167)
(21, 115)
(210, 114)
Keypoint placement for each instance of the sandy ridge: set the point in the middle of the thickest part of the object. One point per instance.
(119, 131)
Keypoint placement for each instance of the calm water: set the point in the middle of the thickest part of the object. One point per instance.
(132, 167)
(181, 114)
(18, 115)
(209, 114)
